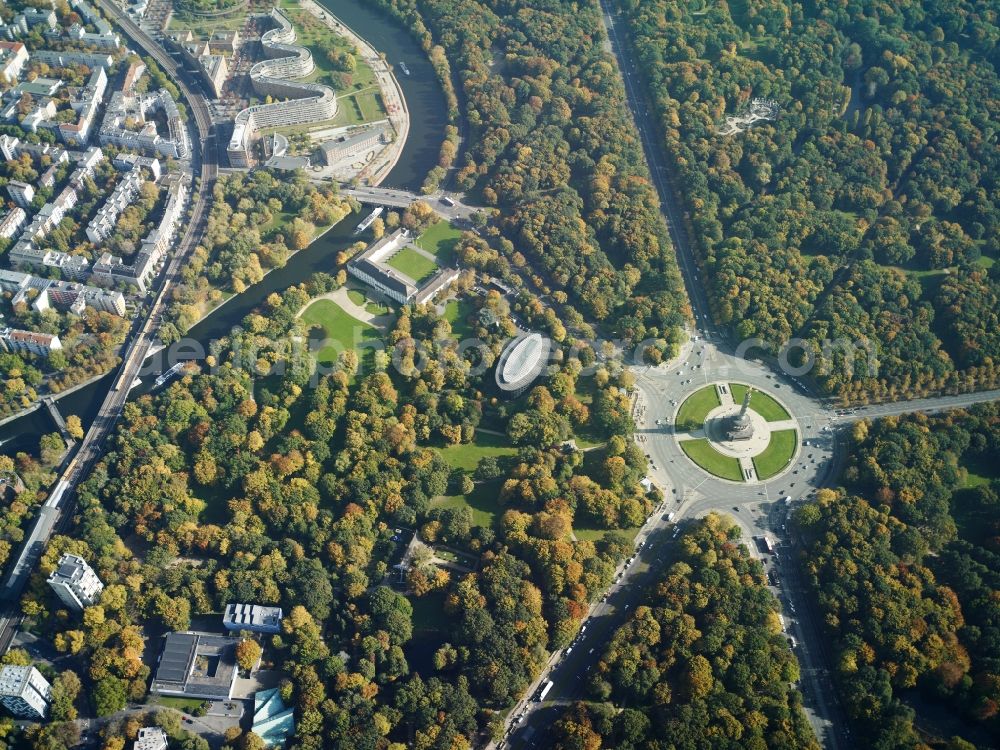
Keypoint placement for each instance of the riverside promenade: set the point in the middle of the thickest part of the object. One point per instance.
(392, 94)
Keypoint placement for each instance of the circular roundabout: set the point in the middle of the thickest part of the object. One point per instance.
(736, 432)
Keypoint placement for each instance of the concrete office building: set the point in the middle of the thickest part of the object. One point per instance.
(17, 341)
(75, 583)
(306, 102)
(354, 145)
(24, 692)
(196, 665)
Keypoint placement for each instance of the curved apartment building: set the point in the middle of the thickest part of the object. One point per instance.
(305, 102)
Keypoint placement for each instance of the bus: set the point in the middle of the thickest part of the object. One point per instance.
(545, 691)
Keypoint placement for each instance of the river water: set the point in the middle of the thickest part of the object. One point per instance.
(428, 118)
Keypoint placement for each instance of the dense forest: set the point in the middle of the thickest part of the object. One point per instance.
(552, 148)
(702, 663)
(905, 565)
(263, 480)
(255, 222)
(868, 210)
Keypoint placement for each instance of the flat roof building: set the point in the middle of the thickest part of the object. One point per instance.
(372, 268)
(353, 145)
(151, 738)
(196, 665)
(76, 583)
(24, 692)
(21, 193)
(253, 617)
(305, 102)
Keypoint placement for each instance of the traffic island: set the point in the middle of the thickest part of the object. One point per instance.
(696, 408)
(701, 452)
(736, 440)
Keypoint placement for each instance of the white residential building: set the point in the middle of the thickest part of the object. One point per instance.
(102, 225)
(24, 692)
(21, 193)
(75, 583)
(14, 340)
(151, 738)
(13, 222)
(124, 107)
(306, 102)
(13, 56)
(65, 59)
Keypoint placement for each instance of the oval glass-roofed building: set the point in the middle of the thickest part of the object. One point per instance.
(521, 361)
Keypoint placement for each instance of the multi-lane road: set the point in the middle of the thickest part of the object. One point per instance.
(58, 507)
(758, 508)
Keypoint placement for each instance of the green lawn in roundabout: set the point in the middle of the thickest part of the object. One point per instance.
(761, 403)
(696, 407)
(700, 451)
(777, 455)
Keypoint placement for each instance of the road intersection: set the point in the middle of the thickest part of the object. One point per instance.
(759, 508)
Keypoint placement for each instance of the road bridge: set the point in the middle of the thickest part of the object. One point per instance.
(447, 205)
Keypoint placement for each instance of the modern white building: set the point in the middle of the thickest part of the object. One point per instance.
(24, 692)
(75, 583)
(151, 738)
(521, 362)
(305, 102)
(253, 617)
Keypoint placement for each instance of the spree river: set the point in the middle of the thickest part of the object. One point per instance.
(428, 118)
